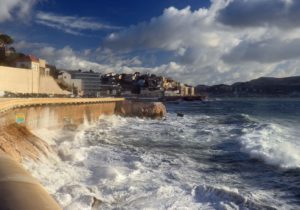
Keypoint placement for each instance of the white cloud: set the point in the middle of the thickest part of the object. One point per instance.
(67, 58)
(15, 8)
(71, 24)
(209, 46)
(278, 13)
(219, 44)
(101, 60)
(172, 30)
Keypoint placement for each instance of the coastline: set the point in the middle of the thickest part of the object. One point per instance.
(18, 142)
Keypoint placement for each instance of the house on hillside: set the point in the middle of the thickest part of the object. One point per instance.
(28, 62)
(34, 63)
(44, 70)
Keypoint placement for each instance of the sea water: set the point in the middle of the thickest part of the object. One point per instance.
(223, 154)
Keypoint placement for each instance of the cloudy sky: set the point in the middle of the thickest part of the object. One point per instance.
(193, 41)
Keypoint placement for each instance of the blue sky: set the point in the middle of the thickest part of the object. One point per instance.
(193, 41)
(120, 13)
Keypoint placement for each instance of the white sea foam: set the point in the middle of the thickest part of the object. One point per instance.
(276, 145)
(135, 164)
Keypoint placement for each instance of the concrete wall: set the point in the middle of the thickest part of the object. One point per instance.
(58, 116)
(18, 190)
(16, 123)
(49, 85)
(18, 80)
(28, 65)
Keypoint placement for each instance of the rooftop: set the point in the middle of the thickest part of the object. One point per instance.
(29, 58)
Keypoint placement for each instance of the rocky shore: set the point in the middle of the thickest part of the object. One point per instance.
(141, 109)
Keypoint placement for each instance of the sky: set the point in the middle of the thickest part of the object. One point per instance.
(192, 41)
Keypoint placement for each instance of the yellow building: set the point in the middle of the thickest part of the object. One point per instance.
(191, 91)
(29, 62)
(30, 76)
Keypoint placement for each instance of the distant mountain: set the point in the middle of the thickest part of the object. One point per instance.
(261, 87)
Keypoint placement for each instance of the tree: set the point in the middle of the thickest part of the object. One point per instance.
(12, 49)
(5, 40)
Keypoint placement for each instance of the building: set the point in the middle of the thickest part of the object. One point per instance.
(86, 83)
(171, 93)
(186, 90)
(191, 91)
(29, 62)
(30, 77)
(109, 90)
(34, 63)
(44, 71)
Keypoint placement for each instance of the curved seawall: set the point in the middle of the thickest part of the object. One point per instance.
(54, 112)
(19, 116)
(19, 190)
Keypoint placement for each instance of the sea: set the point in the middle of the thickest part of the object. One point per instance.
(222, 154)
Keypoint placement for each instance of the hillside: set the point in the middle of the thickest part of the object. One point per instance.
(261, 87)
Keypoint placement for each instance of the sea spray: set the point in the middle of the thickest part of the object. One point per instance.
(200, 161)
(272, 144)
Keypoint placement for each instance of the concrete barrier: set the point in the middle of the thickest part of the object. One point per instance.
(12, 103)
(20, 191)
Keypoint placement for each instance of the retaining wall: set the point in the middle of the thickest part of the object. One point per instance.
(19, 80)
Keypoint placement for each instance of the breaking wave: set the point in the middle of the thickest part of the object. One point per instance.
(226, 198)
(203, 160)
(273, 144)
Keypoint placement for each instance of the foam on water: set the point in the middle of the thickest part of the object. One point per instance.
(273, 144)
(130, 163)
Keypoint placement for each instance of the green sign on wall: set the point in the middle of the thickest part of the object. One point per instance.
(20, 118)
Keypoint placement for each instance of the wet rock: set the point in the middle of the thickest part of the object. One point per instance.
(180, 115)
(141, 109)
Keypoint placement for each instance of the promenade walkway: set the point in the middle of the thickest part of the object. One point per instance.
(12, 103)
